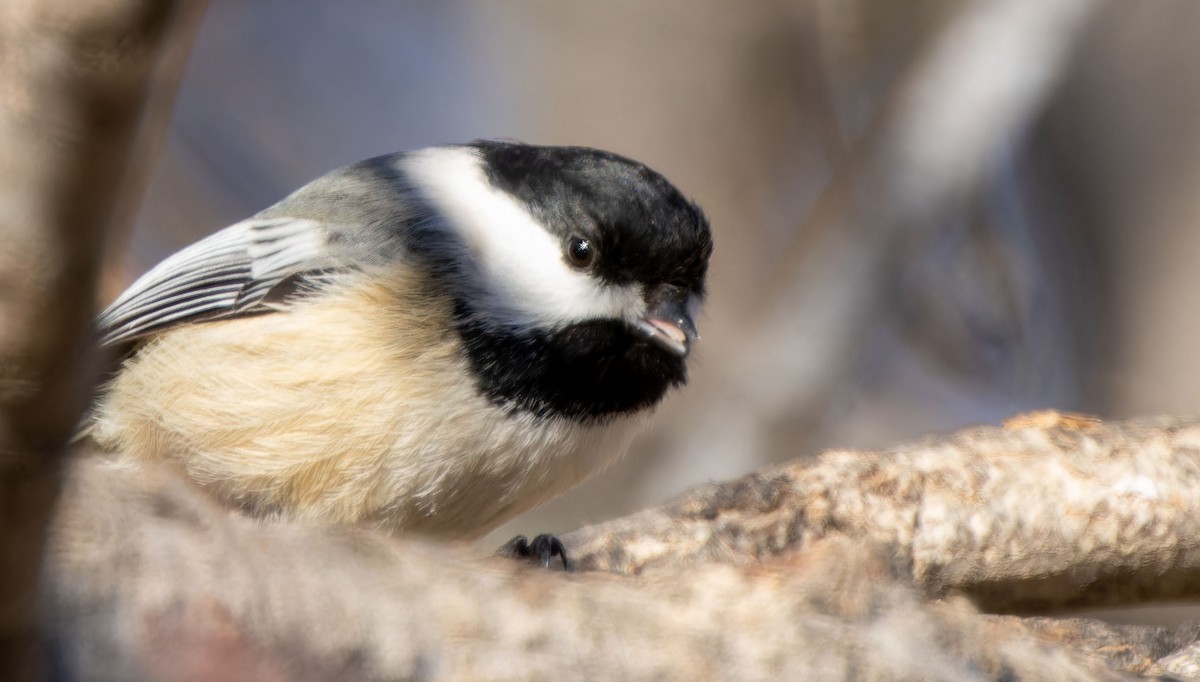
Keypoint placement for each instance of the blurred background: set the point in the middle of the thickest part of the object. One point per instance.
(927, 214)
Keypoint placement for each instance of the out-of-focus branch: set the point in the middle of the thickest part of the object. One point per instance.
(74, 83)
(976, 87)
(987, 73)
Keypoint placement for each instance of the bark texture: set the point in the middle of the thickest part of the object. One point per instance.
(861, 565)
(1048, 511)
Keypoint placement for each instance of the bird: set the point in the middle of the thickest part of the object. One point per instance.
(426, 342)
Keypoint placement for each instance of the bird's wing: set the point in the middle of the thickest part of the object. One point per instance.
(226, 274)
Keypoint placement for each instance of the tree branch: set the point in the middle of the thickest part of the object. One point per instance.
(810, 570)
(1049, 511)
(152, 581)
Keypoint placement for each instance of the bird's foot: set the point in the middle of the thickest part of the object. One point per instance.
(541, 550)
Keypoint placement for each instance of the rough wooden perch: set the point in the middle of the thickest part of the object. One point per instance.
(1049, 511)
(847, 565)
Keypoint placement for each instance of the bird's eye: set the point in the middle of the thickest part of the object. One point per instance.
(580, 251)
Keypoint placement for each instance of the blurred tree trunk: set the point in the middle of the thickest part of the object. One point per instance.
(84, 93)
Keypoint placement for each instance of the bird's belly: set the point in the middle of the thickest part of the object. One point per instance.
(488, 475)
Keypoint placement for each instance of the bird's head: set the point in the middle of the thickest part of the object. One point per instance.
(576, 273)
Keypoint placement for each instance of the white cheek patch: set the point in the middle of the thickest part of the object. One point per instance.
(525, 276)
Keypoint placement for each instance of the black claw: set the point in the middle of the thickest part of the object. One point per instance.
(542, 550)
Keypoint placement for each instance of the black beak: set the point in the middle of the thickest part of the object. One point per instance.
(667, 323)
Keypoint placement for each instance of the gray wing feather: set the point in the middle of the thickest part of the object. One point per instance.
(226, 274)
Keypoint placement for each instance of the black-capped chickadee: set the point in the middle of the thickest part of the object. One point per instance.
(430, 341)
